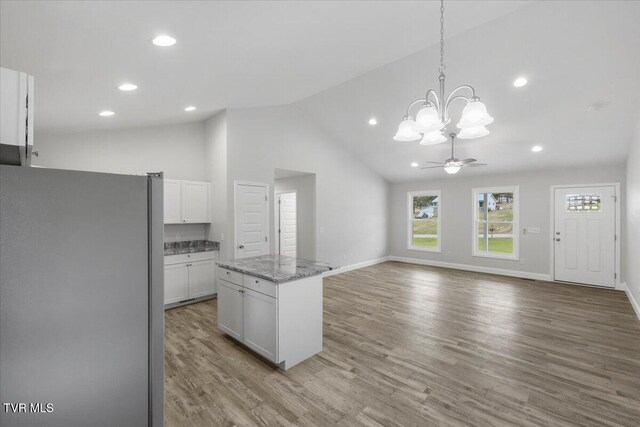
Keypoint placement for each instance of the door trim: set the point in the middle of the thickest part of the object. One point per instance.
(276, 220)
(552, 222)
(235, 213)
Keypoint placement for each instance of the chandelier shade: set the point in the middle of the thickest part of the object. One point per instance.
(474, 115)
(428, 120)
(471, 133)
(405, 131)
(432, 138)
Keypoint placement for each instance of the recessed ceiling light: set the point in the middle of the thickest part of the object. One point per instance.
(164, 41)
(414, 165)
(373, 121)
(520, 81)
(106, 113)
(536, 148)
(190, 108)
(127, 87)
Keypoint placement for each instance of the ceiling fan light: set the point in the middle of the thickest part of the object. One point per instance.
(406, 132)
(451, 168)
(428, 119)
(432, 138)
(474, 115)
(474, 132)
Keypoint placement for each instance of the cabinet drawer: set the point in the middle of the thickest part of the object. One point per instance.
(260, 285)
(194, 256)
(229, 276)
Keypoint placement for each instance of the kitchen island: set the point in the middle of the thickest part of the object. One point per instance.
(273, 305)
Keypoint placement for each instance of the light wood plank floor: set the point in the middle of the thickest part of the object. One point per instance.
(408, 345)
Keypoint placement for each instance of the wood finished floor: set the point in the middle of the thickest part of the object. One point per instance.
(408, 345)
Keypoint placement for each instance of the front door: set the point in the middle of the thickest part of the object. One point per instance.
(251, 220)
(584, 235)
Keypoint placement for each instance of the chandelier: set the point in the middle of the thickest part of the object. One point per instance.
(433, 116)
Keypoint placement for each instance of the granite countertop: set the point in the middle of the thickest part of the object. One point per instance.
(276, 268)
(190, 246)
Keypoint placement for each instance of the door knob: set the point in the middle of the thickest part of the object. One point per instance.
(557, 233)
(241, 247)
(557, 239)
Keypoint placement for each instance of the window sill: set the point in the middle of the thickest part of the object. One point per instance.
(496, 256)
(419, 249)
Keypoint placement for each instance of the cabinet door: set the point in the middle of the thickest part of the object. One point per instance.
(260, 323)
(202, 279)
(176, 283)
(230, 309)
(195, 201)
(172, 201)
(13, 107)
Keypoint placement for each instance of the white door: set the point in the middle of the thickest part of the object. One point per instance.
(287, 224)
(15, 87)
(251, 220)
(176, 283)
(584, 235)
(195, 202)
(172, 201)
(202, 278)
(260, 329)
(230, 308)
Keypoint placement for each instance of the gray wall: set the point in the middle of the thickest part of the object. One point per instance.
(305, 188)
(632, 272)
(176, 150)
(352, 200)
(457, 213)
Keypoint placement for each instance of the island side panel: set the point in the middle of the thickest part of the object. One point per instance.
(299, 320)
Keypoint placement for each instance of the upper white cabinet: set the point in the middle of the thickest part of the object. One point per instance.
(16, 114)
(186, 202)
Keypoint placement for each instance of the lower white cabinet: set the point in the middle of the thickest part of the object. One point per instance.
(282, 322)
(189, 276)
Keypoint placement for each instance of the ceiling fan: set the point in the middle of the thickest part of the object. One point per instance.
(453, 165)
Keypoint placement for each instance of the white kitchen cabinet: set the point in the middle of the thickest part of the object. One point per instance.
(280, 321)
(186, 202)
(202, 278)
(16, 115)
(260, 323)
(172, 201)
(189, 277)
(176, 283)
(230, 302)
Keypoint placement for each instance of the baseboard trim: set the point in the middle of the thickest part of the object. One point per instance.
(632, 300)
(356, 266)
(475, 269)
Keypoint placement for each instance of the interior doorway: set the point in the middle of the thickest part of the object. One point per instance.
(286, 224)
(585, 244)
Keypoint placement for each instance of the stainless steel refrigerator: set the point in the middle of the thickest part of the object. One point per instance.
(81, 298)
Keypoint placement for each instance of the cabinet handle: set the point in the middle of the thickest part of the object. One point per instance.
(228, 273)
(257, 281)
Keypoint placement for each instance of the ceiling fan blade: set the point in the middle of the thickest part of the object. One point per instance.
(466, 161)
(432, 167)
(435, 163)
(475, 165)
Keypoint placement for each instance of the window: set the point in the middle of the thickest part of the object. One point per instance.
(583, 203)
(424, 220)
(495, 222)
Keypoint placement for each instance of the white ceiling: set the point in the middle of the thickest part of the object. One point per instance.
(574, 54)
(228, 54)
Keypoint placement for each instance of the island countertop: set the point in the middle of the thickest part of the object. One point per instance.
(276, 268)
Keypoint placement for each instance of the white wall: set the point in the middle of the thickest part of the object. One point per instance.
(305, 189)
(457, 211)
(215, 163)
(352, 208)
(632, 272)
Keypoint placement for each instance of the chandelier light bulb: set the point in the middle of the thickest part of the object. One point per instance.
(432, 138)
(406, 132)
(474, 115)
(428, 120)
(471, 133)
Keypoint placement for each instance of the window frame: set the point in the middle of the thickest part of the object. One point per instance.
(410, 196)
(515, 189)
